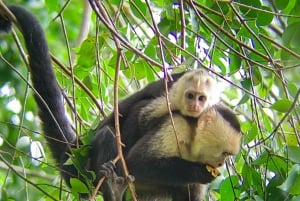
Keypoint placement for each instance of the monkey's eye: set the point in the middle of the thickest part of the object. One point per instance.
(201, 98)
(190, 96)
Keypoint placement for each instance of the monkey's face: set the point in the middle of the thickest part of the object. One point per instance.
(194, 103)
(215, 139)
(216, 159)
(200, 92)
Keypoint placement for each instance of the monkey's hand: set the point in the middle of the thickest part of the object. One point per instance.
(213, 171)
(114, 185)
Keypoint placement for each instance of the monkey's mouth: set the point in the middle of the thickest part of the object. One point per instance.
(193, 112)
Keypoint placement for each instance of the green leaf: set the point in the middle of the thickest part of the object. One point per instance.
(229, 188)
(292, 140)
(292, 8)
(159, 3)
(139, 70)
(292, 183)
(246, 83)
(256, 76)
(288, 59)
(282, 105)
(277, 164)
(150, 74)
(88, 82)
(293, 89)
(247, 10)
(235, 62)
(138, 8)
(116, 2)
(251, 134)
(244, 32)
(264, 18)
(78, 186)
(218, 59)
(86, 58)
(262, 159)
(294, 154)
(252, 178)
(291, 35)
(280, 4)
(244, 99)
(274, 193)
(53, 5)
(167, 26)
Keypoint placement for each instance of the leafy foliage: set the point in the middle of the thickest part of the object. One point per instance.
(251, 46)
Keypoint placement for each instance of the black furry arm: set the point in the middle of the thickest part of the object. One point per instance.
(167, 171)
(127, 105)
(150, 161)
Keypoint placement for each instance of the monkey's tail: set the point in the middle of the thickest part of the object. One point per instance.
(56, 126)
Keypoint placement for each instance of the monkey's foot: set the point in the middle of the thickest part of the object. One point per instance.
(114, 182)
(213, 171)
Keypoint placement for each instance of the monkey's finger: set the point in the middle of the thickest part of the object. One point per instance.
(213, 171)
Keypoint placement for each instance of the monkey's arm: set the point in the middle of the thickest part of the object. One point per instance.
(168, 171)
(151, 160)
(151, 91)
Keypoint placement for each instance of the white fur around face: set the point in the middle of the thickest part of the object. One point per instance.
(168, 142)
(198, 82)
(215, 140)
(209, 141)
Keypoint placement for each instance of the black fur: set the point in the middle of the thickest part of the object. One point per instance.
(5, 25)
(151, 91)
(229, 116)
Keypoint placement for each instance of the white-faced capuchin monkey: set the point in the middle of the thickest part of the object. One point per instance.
(192, 93)
(171, 172)
(189, 95)
(167, 164)
(207, 139)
